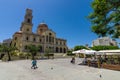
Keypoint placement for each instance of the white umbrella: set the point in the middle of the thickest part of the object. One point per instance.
(88, 51)
(92, 52)
(84, 51)
(74, 52)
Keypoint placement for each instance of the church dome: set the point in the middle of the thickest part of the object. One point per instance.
(43, 25)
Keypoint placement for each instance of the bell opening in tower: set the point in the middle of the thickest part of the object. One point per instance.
(28, 20)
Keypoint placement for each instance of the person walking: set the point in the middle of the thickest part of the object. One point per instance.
(34, 64)
(73, 60)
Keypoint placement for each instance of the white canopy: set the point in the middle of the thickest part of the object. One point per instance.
(84, 51)
(109, 52)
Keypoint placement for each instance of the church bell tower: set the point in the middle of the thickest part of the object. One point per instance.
(26, 25)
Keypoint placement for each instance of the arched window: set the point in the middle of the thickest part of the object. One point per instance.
(60, 50)
(28, 20)
(15, 38)
(50, 39)
(34, 39)
(64, 43)
(14, 44)
(40, 40)
(27, 38)
(60, 43)
(53, 39)
(50, 34)
(41, 30)
(46, 38)
(27, 29)
(64, 50)
(56, 49)
(56, 42)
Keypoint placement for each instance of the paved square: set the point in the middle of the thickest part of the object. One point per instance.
(56, 69)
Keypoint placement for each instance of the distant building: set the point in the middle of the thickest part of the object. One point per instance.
(44, 36)
(7, 42)
(104, 41)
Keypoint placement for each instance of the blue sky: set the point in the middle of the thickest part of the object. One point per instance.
(65, 17)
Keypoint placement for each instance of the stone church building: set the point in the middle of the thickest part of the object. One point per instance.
(44, 36)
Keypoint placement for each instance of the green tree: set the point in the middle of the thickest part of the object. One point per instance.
(33, 50)
(7, 49)
(39, 48)
(79, 47)
(105, 18)
(0, 48)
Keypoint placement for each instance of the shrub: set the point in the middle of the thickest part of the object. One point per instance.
(22, 55)
(14, 53)
(49, 55)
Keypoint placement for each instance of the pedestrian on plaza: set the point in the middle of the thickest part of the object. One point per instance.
(34, 64)
(73, 60)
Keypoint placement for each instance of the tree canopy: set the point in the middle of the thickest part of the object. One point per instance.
(97, 48)
(79, 47)
(7, 49)
(105, 18)
(33, 49)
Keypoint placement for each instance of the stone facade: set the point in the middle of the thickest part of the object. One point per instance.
(104, 41)
(44, 36)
